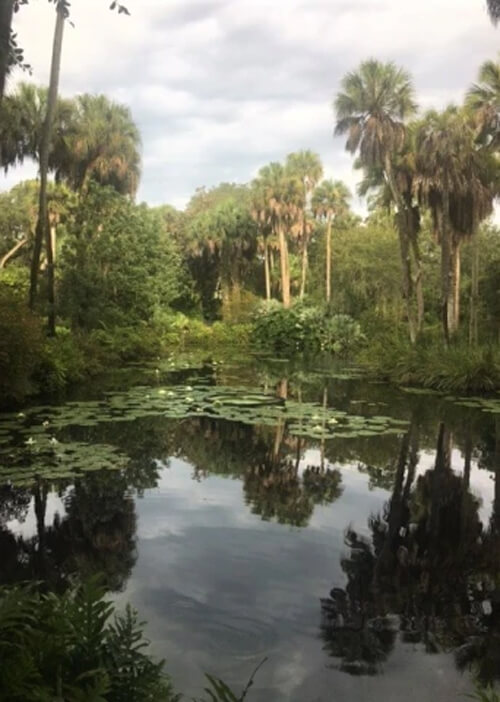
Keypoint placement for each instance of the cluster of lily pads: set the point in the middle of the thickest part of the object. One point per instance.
(485, 404)
(29, 443)
(29, 451)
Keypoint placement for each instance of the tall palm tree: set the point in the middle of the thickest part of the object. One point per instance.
(307, 167)
(42, 231)
(457, 181)
(261, 214)
(282, 192)
(483, 99)
(330, 200)
(101, 143)
(372, 109)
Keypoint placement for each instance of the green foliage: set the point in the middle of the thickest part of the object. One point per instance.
(63, 359)
(117, 264)
(21, 342)
(71, 647)
(458, 368)
(485, 694)
(219, 691)
(302, 329)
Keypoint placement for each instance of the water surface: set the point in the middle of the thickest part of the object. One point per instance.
(363, 567)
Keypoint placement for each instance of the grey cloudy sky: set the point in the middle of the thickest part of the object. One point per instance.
(221, 87)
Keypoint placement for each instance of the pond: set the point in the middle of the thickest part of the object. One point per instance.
(345, 531)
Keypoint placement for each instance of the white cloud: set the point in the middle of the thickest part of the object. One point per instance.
(220, 87)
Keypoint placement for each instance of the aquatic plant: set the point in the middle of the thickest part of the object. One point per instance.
(31, 443)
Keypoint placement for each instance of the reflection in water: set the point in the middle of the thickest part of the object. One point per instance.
(96, 535)
(422, 564)
(429, 571)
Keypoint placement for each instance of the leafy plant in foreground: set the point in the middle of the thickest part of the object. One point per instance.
(219, 691)
(70, 647)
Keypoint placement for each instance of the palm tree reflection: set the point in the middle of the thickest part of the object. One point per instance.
(428, 574)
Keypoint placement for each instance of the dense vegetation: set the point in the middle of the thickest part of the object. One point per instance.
(280, 265)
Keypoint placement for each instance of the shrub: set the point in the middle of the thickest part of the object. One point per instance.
(127, 343)
(460, 368)
(305, 329)
(71, 647)
(21, 343)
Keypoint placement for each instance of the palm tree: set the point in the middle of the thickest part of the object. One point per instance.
(307, 167)
(330, 200)
(372, 108)
(282, 192)
(42, 231)
(262, 216)
(101, 143)
(457, 181)
(483, 99)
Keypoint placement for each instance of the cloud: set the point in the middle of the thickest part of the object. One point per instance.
(221, 87)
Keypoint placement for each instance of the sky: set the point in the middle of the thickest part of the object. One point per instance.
(219, 88)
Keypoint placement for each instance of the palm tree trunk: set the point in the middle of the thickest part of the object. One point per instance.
(454, 302)
(446, 267)
(404, 246)
(328, 255)
(418, 281)
(404, 250)
(267, 272)
(304, 252)
(285, 270)
(6, 12)
(53, 239)
(474, 293)
(42, 225)
(305, 264)
(51, 288)
(6, 257)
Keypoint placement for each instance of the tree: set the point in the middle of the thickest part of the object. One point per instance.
(42, 232)
(282, 192)
(222, 240)
(483, 98)
(262, 215)
(117, 265)
(371, 108)
(101, 143)
(307, 167)
(329, 200)
(457, 181)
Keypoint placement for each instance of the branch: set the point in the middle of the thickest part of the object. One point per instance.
(12, 252)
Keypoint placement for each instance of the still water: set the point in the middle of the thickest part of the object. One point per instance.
(362, 563)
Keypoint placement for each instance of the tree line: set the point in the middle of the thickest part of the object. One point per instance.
(431, 176)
